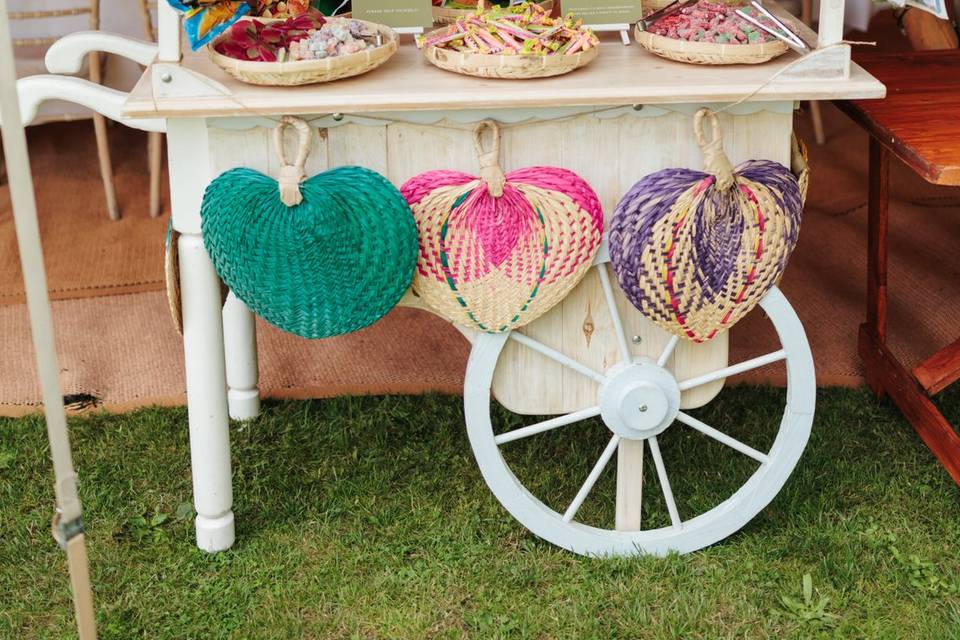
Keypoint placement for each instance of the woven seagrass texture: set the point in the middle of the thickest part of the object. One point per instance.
(708, 52)
(507, 67)
(333, 264)
(298, 72)
(499, 251)
(445, 15)
(696, 251)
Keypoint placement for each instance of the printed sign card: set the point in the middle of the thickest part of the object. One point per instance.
(604, 11)
(398, 14)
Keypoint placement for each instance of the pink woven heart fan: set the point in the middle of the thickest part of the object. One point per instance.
(498, 251)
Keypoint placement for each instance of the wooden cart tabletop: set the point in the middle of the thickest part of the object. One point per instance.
(919, 121)
(621, 75)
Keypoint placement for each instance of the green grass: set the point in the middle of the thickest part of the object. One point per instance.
(368, 518)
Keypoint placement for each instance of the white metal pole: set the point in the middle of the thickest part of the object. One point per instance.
(31, 261)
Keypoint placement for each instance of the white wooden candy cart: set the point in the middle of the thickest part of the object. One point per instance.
(625, 116)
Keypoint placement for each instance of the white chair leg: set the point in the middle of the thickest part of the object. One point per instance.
(240, 351)
(206, 396)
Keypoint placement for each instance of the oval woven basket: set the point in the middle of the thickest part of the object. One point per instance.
(443, 15)
(509, 67)
(286, 74)
(708, 52)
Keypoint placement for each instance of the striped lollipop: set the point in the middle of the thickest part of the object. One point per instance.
(498, 251)
(695, 251)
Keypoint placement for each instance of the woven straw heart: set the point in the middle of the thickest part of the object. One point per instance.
(317, 257)
(498, 251)
(694, 251)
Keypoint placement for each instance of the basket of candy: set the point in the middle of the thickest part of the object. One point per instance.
(705, 32)
(449, 11)
(305, 50)
(518, 42)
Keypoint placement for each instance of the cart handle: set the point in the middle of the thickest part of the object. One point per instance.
(66, 55)
(35, 90)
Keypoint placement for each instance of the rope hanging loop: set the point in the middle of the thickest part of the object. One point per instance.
(291, 175)
(490, 171)
(715, 161)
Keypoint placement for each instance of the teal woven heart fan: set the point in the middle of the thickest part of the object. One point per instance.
(317, 257)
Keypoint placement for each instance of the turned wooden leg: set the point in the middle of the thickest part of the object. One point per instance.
(879, 194)
(103, 147)
(206, 395)
(155, 161)
(240, 351)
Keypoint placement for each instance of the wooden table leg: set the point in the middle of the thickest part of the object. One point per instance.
(879, 195)
(884, 373)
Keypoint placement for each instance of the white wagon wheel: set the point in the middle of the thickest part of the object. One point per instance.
(637, 402)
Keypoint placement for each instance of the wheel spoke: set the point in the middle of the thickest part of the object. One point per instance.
(553, 354)
(591, 479)
(625, 355)
(664, 482)
(547, 425)
(667, 351)
(721, 437)
(732, 370)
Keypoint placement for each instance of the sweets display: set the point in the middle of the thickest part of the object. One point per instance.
(205, 20)
(708, 21)
(339, 36)
(255, 41)
(307, 37)
(525, 29)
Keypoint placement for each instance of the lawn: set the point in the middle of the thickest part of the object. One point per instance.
(367, 518)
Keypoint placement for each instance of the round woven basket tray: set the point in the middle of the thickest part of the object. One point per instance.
(443, 15)
(282, 74)
(708, 52)
(511, 67)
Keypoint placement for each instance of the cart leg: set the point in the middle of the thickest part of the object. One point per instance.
(206, 396)
(240, 351)
(629, 484)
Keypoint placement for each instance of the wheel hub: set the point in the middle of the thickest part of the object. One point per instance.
(639, 400)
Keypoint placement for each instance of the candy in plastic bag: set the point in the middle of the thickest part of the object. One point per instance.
(204, 20)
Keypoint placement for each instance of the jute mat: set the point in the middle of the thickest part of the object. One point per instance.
(121, 351)
(86, 253)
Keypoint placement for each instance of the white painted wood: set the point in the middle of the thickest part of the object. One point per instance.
(67, 54)
(240, 356)
(629, 485)
(693, 533)
(832, 62)
(619, 76)
(189, 160)
(203, 339)
(35, 90)
(168, 32)
(830, 26)
(206, 396)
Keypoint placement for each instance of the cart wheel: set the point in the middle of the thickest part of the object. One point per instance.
(639, 399)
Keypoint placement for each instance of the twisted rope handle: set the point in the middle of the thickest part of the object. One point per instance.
(715, 161)
(291, 175)
(490, 171)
